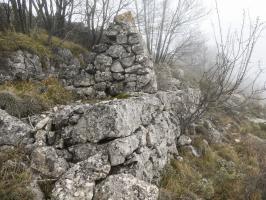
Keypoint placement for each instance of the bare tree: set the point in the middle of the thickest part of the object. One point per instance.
(53, 14)
(162, 22)
(226, 76)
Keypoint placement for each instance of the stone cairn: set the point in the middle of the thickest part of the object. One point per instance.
(120, 63)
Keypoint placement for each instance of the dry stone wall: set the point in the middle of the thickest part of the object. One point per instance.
(109, 150)
(119, 64)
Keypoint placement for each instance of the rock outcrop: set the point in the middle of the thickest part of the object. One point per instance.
(113, 149)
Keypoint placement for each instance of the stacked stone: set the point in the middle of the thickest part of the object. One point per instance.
(120, 63)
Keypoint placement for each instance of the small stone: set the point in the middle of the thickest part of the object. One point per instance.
(138, 49)
(100, 86)
(116, 51)
(121, 39)
(133, 69)
(50, 137)
(118, 76)
(90, 69)
(46, 161)
(131, 77)
(103, 60)
(89, 57)
(100, 48)
(134, 39)
(117, 67)
(103, 76)
(128, 61)
(40, 138)
(41, 124)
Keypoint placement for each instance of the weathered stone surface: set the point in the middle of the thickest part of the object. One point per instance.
(118, 76)
(128, 61)
(79, 181)
(138, 49)
(184, 140)
(134, 39)
(117, 67)
(116, 88)
(46, 161)
(90, 57)
(86, 80)
(103, 60)
(100, 48)
(121, 148)
(12, 130)
(121, 39)
(103, 76)
(133, 69)
(83, 151)
(116, 51)
(125, 187)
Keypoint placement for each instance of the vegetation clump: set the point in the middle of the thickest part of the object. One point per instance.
(14, 175)
(36, 43)
(25, 98)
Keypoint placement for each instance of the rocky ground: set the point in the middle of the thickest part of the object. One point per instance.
(112, 148)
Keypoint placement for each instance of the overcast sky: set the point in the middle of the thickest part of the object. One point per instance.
(231, 14)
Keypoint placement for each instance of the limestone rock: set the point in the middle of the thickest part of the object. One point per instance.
(128, 61)
(133, 69)
(46, 161)
(121, 148)
(103, 60)
(12, 130)
(82, 151)
(184, 140)
(125, 187)
(79, 181)
(117, 67)
(116, 51)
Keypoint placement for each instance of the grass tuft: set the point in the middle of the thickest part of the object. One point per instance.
(14, 176)
(26, 98)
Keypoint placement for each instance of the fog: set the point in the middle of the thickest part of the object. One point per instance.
(231, 14)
